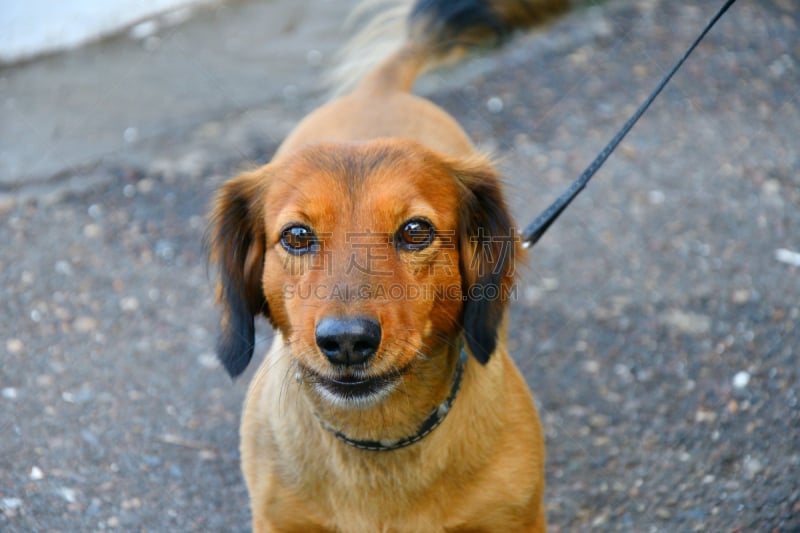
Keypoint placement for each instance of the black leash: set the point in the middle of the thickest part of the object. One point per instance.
(538, 227)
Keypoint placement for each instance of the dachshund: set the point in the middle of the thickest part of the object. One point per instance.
(378, 245)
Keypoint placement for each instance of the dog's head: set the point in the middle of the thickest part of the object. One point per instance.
(365, 257)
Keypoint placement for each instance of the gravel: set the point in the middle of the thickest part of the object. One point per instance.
(658, 322)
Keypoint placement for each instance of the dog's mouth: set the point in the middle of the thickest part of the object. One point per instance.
(353, 389)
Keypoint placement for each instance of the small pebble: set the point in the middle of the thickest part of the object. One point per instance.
(733, 407)
(10, 504)
(550, 284)
(9, 393)
(663, 514)
(89, 437)
(206, 455)
(36, 473)
(129, 304)
(14, 346)
(641, 71)
(143, 30)
(628, 151)
(95, 211)
(532, 294)
(63, 267)
(787, 256)
(92, 231)
(591, 366)
(740, 296)
(130, 135)
(687, 322)
(165, 249)
(146, 185)
(208, 360)
(7, 203)
(599, 521)
(580, 57)
(85, 324)
(133, 503)
(704, 415)
(656, 197)
(741, 379)
(752, 467)
(68, 494)
(771, 187)
(494, 104)
(80, 396)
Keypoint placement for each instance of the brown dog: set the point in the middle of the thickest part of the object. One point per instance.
(378, 244)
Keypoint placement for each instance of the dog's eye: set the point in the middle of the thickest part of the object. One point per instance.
(299, 240)
(415, 234)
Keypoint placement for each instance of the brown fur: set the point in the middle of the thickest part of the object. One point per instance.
(358, 168)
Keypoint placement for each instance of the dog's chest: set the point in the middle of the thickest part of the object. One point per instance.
(355, 491)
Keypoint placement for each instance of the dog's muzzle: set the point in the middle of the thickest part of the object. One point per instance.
(349, 344)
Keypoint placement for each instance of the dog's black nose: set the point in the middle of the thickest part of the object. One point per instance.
(348, 341)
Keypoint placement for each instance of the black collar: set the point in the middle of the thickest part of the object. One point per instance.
(431, 422)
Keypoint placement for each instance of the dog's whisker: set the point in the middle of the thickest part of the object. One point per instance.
(285, 383)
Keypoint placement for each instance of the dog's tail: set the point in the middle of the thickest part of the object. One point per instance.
(404, 38)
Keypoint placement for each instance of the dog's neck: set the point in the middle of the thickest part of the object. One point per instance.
(404, 418)
(436, 416)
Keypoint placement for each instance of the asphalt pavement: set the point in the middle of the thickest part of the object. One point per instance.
(657, 323)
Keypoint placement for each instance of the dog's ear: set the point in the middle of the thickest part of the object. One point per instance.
(236, 242)
(488, 244)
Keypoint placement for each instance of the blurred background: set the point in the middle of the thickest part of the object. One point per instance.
(658, 322)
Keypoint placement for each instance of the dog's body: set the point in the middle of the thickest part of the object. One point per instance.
(378, 244)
